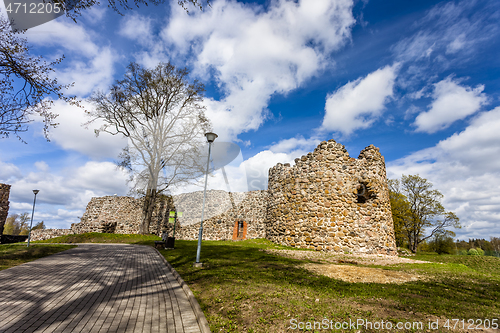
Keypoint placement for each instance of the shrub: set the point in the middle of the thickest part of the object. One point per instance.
(462, 252)
(473, 252)
(442, 244)
(480, 251)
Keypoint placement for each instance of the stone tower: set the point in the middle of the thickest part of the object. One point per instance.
(332, 202)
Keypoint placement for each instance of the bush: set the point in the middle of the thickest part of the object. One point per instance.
(473, 252)
(462, 252)
(442, 244)
(480, 251)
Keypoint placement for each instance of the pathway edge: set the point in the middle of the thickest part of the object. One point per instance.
(200, 317)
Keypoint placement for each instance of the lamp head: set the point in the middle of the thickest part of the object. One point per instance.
(36, 191)
(211, 137)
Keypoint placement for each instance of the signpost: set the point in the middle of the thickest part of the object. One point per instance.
(172, 219)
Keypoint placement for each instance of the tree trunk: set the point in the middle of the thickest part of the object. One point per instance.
(147, 210)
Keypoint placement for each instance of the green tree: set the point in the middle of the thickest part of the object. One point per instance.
(39, 226)
(441, 243)
(160, 113)
(400, 212)
(17, 224)
(418, 211)
(495, 245)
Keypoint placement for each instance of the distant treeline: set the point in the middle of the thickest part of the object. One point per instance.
(447, 245)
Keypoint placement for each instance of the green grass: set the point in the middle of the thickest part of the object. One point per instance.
(243, 289)
(96, 237)
(16, 254)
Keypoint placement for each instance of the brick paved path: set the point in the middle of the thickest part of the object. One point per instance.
(95, 288)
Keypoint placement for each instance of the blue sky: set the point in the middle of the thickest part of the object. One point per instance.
(418, 79)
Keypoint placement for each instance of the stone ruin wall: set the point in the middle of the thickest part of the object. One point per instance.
(43, 234)
(110, 214)
(4, 205)
(315, 203)
(221, 216)
(123, 215)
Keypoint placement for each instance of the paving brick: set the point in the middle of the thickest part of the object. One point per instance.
(95, 288)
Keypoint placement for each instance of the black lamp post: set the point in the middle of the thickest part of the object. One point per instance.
(210, 138)
(32, 213)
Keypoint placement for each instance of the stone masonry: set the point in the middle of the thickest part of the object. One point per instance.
(331, 201)
(4, 205)
(327, 201)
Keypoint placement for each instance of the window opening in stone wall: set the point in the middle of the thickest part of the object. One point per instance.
(362, 193)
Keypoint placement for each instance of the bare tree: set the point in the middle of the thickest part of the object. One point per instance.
(25, 84)
(160, 113)
(73, 8)
(417, 208)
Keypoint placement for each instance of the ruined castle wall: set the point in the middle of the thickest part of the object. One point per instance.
(4, 205)
(222, 216)
(43, 234)
(120, 215)
(315, 204)
(222, 211)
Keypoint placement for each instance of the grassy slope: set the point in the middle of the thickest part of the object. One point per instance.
(16, 254)
(246, 290)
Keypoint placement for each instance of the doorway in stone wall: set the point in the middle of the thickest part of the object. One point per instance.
(240, 230)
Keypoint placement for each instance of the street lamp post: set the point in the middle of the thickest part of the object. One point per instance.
(32, 213)
(210, 138)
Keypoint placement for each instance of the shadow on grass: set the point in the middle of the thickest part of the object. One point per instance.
(234, 270)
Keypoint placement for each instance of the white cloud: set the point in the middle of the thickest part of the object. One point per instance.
(70, 186)
(252, 173)
(457, 44)
(451, 103)
(285, 151)
(292, 144)
(89, 74)
(71, 135)
(65, 192)
(136, 27)
(255, 53)
(8, 171)
(448, 29)
(465, 168)
(450, 33)
(95, 14)
(42, 166)
(64, 34)
(358, 104)
(87, 65)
